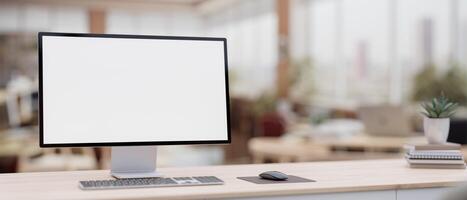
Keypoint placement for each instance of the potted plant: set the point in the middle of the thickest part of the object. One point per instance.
(436, 120)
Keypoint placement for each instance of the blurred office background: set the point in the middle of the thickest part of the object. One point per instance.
(300, 70)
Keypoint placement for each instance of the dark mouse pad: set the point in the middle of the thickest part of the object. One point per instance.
(291, 179)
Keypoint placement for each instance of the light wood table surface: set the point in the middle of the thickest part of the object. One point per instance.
(371, 142)
(287, 150)
(18, 142)
(331, 177)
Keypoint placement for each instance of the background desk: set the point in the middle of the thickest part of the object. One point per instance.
(371, 179)
(302, 150)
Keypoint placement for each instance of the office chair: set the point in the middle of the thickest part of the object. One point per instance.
(4, 118)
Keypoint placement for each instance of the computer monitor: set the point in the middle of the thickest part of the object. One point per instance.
(132, 92)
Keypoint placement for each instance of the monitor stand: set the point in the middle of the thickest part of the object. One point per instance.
(134, 162)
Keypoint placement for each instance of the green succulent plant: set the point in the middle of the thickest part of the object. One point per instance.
(439, 107)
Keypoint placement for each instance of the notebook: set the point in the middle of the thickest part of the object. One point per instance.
(434, 155)
(438, 162)
(437, 156)
(436, 166)
(433, 147)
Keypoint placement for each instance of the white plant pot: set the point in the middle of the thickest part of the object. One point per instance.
(436, 130)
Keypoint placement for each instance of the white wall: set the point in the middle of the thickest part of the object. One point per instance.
(153, 23)
(33, 18)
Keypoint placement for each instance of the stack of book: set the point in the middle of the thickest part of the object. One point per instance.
(446, 156)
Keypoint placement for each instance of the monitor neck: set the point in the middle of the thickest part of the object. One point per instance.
(134, 162)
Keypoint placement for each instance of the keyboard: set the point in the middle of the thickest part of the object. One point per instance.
(149, 182)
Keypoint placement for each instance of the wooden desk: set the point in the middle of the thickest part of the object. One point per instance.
(373, 143)
(19, 142)
(375, 179)
(286, 150)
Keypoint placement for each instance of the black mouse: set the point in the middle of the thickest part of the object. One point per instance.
(274, 175)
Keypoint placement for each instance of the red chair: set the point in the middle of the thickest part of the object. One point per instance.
(272, 125)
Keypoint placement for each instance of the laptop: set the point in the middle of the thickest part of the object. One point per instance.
(385, 121)
(458, 131)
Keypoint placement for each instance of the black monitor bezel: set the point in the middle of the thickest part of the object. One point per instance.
(145, 143)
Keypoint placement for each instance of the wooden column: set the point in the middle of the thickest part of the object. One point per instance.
(282, 78)
(97, 20)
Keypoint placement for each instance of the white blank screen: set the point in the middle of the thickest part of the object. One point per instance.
(102, 90)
